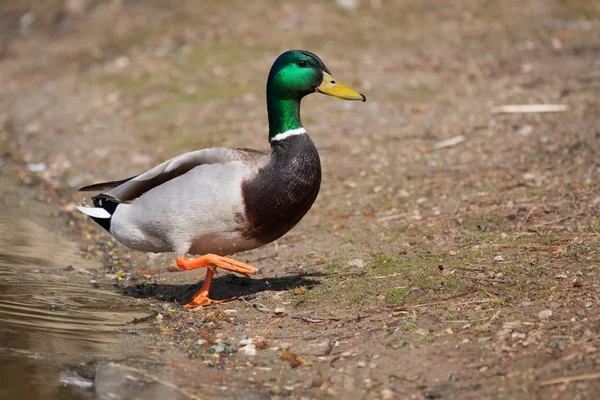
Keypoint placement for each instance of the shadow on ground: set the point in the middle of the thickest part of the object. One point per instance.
(222, 288)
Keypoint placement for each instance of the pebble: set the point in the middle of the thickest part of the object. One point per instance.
(373, 365)
(503, 334)
(432, 394)
(527, 304)
(555, 305)
(94, 283)
(357, 262)
(518, 335)
(218, 348)
(249, 350)
(452, 253)
(387, 394)
(284, 346)
(279, 311)
(348, 4)
(499, 258)
(37, 167)
(545, 315)
(361, 364)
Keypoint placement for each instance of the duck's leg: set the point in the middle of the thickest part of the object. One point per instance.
(208, 260)
(211, 262)
(201, 298)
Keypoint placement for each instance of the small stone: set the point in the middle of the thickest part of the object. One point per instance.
(503, 334)
(200, 342)
(284, 346)
(545, 315)
(280, 311)
(452, 253)
(518, 335)
(561, 276)
(588, 305)
(69, 268)
(357, 263)
(36, 167)
(555, 305)
(373, 365)
(249, 350)
(387, 394)
(591, 349)
(499, 258)
(421, 332)
(432, 394)
(361, 364)
(527, 304)
(579, 273)
(504, 235)
(483, 369)
(94, 283)
(348, 4)
(218, 348)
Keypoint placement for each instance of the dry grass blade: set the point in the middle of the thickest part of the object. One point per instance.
(529, 108)
(567, 379)
(449, 142)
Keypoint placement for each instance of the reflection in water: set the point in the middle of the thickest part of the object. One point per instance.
(50, 319)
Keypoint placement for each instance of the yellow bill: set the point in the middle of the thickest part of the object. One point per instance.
(332, 87)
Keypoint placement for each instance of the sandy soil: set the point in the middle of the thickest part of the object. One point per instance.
(427, 268)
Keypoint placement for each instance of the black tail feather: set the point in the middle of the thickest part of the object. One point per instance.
(107, 204)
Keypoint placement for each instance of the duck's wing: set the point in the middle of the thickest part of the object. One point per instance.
(131, 188)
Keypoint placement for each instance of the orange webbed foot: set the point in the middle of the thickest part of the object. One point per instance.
(212, 259)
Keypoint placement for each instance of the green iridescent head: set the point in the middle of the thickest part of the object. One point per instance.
(295, 74)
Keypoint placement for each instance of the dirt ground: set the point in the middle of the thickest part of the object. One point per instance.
(426, 268)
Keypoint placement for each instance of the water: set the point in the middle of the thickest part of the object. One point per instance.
(55, 328)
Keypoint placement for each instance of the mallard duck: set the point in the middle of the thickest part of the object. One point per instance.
(220, 201)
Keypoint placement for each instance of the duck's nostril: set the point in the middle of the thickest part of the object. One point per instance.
(332, 81)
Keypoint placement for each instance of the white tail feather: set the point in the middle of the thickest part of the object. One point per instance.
(95, 212)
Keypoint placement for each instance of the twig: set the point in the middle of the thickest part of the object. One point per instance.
(529, 213)
(143, 319)
(529, 108)
(449, 142)
(260, 307)
(385, 276)
(567, 379)
(391, 217)
(437, 303)
(317, 320)
(556, 221)
(339, 275)
(158, 380)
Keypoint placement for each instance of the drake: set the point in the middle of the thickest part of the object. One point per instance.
(220, 201)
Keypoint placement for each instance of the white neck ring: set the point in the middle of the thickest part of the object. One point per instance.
(286, 134)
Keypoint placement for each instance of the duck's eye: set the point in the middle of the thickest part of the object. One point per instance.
(302, 63)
